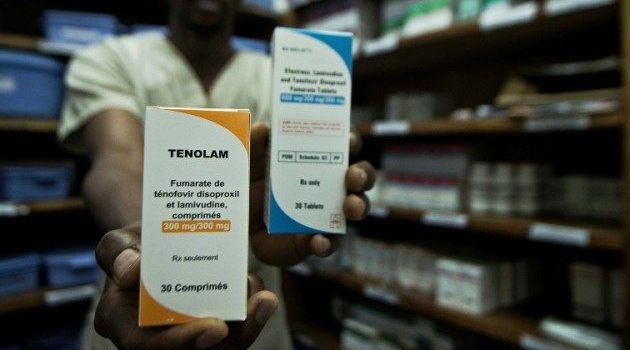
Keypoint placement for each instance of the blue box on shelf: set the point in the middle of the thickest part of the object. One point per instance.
(19, 273)
(71, 267)
(31, 85)
(35, 182)
(81, 28)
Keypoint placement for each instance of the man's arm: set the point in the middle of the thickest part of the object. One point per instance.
(113, 185)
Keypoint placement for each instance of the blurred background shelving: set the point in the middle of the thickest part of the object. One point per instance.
(499, 218)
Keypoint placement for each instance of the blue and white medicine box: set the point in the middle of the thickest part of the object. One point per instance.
(71, 267)
(80, 28)
(31, 85)
(310, 131)
(19, 274)
(35, 182)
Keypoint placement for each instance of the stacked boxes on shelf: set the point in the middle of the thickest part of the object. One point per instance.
(416, 106)
(31, 85)
(424, 177)
(30, 182)
(19, 273)
(504, 188)
(531, 189)
(367, 328)
(70, 267)
(438, 178)
(597, 294)
(480, 285)
(468, 282)
(64, 268)
(78, 28)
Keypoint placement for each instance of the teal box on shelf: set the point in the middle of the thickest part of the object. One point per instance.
(31, 85)
(19, 273)
(71, 267)
(80, 28)
(35, 182)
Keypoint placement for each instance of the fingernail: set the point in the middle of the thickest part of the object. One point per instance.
(264, 311)
(209, 338)
(324, 243)
(124, 261)
(364, 177)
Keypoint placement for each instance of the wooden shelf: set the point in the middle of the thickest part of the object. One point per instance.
(464, 42)
(55, 206)
(45, 297)
(560, 232)
(485, 126)
(19, 41)
(23, 301)
(505, 326)
(29, 125)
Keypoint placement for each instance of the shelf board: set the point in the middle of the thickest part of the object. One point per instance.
(22, 301)
(483, 127)
(561, 232)
(45, 297)
(463, 42)
(19, 41)
(58, 205)
(28, 125)
(505, 326)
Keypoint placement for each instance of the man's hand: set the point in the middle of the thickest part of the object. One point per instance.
(118, 253)
(286, 250)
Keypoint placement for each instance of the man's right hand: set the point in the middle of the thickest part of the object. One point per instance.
(118, 253)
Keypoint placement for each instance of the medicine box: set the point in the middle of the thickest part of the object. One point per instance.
(35, 182)
(19, 273)
(310, 127)
(70, 267)
(195, 215)
(80, 28)
(31, 85)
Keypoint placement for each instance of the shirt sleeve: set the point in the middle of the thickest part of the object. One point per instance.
(96, 80)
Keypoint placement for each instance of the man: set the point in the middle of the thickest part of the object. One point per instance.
(109, 86)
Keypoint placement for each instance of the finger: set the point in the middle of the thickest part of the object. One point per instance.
(198, 334)
(356, 206)
(360, 177)
(259, 139)
(260, 307)
(255, 284)
(119, 256)
(323, 246)
(258, 150)
(116, 318)
(355, 142)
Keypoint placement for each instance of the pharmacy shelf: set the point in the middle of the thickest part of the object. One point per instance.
(28, 125)
(461, 43)
(34, 43)
(504, 326)
(561, 232)
(45, 297)
(489, 126)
